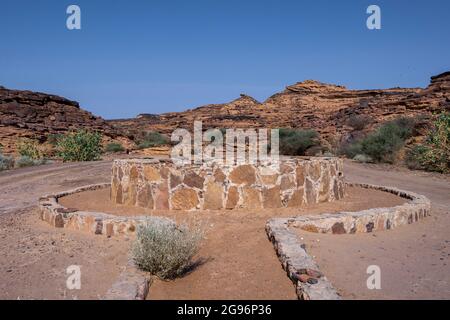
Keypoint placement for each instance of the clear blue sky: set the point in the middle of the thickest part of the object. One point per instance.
(158, 56)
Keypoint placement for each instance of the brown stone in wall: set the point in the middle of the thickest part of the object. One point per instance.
(271, 197)
(213, 196)
(324, 192)
(162, 196)
(151, 174)
(310, 192)
(244, 174)
(109, 230)
(119, 194)
(233, 197)
(286, 168)
(287, 182)
(145, 198)
(174, 181)
(300, 175)
(252, 199)
(296, 199)
(120, 173)
(164, 171)
(184, 199)
(269, 179)
(219, 176)
(131, 195)
(191, 179)
(134, 174)
(314, 170)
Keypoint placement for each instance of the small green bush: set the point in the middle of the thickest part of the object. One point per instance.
(80, 146)
(384, 144)
(350, 150)
(294, 142)
(434, 155)
(114, 147)
(6, 162)
(151, 139)
(165, 250)
(29, 148)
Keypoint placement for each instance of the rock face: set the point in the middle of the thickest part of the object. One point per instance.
(26, 114)
(308, 104)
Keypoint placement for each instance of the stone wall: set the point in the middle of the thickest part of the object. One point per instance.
(159, 184)
(301, 268)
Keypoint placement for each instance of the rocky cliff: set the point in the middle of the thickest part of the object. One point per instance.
(26, 114)
(309, 104)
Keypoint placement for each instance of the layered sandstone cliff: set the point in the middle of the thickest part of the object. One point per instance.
(26, 114)
(308, 105)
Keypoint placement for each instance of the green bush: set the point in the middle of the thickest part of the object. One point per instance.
(150, 139)
(384, 144)
(350, 150)
(434, 155)
(29, 148)
(54, 137)
(114, 147)
(25, 161)
(6, 162)
(165, 250)
(294, 142)
(80, 146)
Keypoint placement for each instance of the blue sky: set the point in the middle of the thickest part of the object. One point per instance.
(153, 56)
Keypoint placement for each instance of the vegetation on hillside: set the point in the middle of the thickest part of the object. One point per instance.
(80, 145)
(149, 139)
(434, 154)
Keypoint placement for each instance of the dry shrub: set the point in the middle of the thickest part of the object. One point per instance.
(165, 249)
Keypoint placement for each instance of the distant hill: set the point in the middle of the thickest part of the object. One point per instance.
(309, 104)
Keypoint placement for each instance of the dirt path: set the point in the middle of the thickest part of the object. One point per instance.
(414, 260)
(21, 188)
(34, 256)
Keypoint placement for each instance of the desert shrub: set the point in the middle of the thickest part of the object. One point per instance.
(6, 162)
(164, 249)
(350, 150)
(54, 137)
(294, 142)
(434, 155)
(29, 148)
(81, 145)
(150, 139)
(363, 158)
(383, 144)
(358, 122)
(114, 147)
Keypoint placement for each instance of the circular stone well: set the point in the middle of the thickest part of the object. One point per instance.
(159, 184)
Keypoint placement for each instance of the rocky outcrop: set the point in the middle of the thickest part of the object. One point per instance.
(26, 114)
(309, 105)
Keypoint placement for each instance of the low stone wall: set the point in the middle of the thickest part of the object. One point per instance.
(301, 268)
(93, 222)
(161, 185)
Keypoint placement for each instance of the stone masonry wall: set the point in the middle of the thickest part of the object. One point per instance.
(159, 184)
